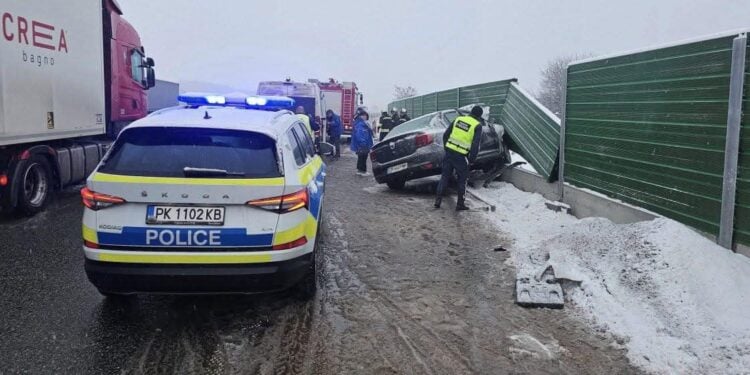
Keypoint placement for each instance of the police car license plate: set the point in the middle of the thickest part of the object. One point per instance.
(397, 168)
(185, 215)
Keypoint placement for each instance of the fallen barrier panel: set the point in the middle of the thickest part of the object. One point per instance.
(533, 129)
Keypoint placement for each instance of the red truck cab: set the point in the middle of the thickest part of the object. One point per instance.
(128, 74)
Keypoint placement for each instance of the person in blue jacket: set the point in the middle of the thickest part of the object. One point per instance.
(362, 142)
(335, 129)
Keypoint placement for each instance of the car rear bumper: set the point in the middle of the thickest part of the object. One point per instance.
(423, 163)
(134, 278)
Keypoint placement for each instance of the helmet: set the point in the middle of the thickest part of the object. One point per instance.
(394, 109)
(403, 110)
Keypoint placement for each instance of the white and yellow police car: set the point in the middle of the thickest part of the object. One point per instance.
(222, 195)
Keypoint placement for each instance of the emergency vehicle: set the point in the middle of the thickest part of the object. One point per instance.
(341, 98)
(222, 195)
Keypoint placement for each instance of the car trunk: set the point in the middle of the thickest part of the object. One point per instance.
(395, 148)
(187, 187)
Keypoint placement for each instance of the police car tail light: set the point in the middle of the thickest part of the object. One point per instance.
(97, 201)
(424, 139)
(283, 204)
(291, 245)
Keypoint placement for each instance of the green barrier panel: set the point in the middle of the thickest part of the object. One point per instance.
(491, 93)
(742, 209)
(534, 130)
(649, 128)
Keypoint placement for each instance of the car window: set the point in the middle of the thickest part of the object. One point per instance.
(297, 149)
(165, 152)
(412, 125)
(304, 137)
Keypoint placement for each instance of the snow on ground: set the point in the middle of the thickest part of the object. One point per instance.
(677, 301)
(514, 157)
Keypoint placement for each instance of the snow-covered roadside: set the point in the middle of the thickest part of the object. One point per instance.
(677, 301)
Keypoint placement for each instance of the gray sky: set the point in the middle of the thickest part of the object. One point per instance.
(429, 44)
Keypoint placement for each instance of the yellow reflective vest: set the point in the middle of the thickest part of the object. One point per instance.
(462, 134)
(306, 120)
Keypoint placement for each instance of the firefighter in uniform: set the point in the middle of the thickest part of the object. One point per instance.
(461, 141)
(404, 116)
(386, 124)
(394, 117)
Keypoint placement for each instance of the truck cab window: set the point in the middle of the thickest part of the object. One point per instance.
(136, 69)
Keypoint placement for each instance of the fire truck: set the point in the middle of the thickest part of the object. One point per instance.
(343, 98)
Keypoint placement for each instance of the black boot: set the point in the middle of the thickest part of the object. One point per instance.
(461, 206)
(438, 201)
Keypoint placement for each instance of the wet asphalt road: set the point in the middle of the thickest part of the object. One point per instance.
(401, 292)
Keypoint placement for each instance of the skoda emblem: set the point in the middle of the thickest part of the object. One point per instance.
(392, 146)
(184, 195)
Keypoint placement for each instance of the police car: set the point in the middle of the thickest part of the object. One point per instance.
(222, 195)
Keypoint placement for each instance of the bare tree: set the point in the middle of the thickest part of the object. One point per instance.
(404, 92)
(553, 82)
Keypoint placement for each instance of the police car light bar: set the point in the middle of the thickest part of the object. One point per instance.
(195, 98)
(251, 102)
(270, 102)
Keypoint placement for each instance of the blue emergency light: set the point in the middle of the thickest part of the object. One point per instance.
(195, 98)
(267, 103)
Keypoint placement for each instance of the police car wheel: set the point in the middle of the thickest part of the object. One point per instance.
(308, 286)
(35, 184)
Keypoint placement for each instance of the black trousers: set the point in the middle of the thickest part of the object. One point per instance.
(362, 162)
(454, 161)
(336, 142)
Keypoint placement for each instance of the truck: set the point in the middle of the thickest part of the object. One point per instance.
(306, 94)
(342, 98)
(74, 73)
(163, 95)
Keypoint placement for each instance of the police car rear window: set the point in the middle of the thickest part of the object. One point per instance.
(167, 152)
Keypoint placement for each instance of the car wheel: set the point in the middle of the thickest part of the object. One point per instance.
(396, 184)
(35, 185)
(308, 286)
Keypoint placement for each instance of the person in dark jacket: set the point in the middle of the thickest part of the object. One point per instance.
(461, 141)
(362, 142)
(335, 129)
(386, 124)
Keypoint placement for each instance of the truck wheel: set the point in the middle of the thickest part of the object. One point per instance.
(396, 184)
(35, 184)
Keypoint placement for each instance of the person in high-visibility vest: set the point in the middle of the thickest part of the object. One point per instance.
(461, 141)
(310, 124)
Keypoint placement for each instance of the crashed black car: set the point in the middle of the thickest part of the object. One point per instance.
(415, 150)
